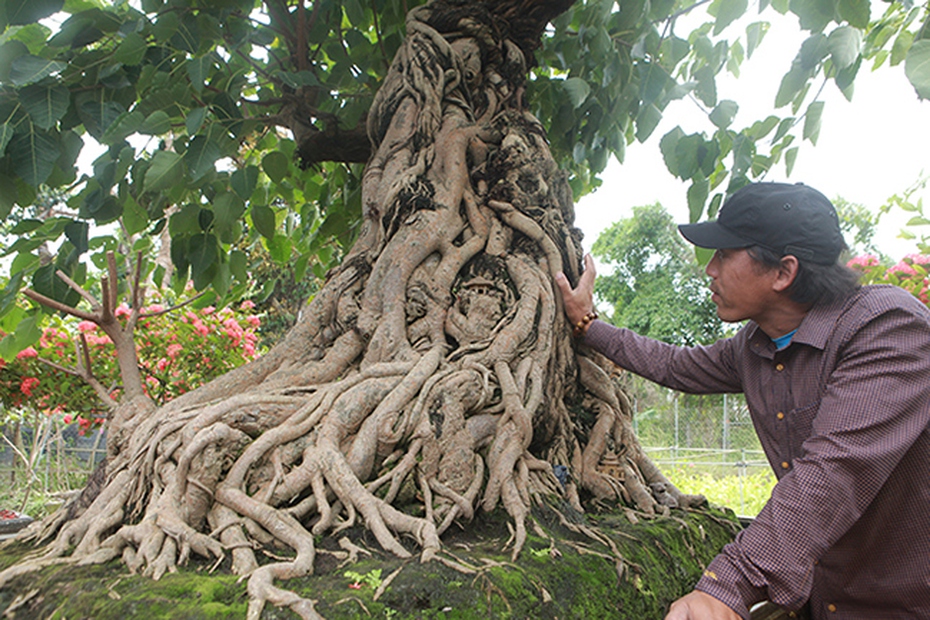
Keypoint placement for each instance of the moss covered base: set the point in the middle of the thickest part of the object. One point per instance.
(560, 574)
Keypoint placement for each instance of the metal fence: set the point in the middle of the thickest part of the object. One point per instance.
(708, 442)
(57, 456)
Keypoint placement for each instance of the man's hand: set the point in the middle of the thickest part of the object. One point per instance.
(580, 300)
(700, 606)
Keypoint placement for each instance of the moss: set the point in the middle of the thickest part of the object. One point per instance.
(662, 560)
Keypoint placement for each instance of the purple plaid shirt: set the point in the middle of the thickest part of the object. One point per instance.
(843, 415)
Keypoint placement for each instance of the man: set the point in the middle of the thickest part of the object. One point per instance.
(837, 379)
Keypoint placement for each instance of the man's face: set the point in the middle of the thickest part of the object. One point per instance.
(742, 288)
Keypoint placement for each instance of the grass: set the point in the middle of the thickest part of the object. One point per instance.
(746, 494)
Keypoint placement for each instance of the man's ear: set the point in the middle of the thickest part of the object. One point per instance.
(787, 271)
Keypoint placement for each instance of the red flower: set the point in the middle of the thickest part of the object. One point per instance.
(26, 353)
(27, 385)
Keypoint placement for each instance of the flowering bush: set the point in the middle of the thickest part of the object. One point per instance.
(177, 351)
(910, 273)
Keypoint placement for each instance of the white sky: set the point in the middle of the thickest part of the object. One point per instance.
(868, 150)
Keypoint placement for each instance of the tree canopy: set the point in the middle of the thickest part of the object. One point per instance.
(221, 124)
(655, 285)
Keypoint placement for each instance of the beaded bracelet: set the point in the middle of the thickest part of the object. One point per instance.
(582, 326)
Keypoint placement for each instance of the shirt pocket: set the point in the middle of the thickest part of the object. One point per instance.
(800, 422)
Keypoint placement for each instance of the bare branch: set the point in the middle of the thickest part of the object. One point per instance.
(145, 315)
(58, 306)
(94, 304)
(106, 313)
(111, 269)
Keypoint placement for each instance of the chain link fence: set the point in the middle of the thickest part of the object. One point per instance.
(704, 443)
(45, 458)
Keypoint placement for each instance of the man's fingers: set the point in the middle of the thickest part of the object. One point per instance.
(587, 277)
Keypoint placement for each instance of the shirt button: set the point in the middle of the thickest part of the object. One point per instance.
(779, 367)
(780, 415)
(785, 465)
(831, 608)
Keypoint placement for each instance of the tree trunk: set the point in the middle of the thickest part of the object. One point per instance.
(433, 375)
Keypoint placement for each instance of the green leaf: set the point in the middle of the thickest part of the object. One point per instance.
(297, 79)
(6, 134)
(185, 221)
(8, 195)
(279, 247)
(156, 124)
(814, 15)
(45, 103)
(76, 232)
(686, 154)
(23, 12)
(194, 120)
(918, 220)
(11, 292)
(791, 84)
(243, 181)
(201, 156)
(845, 78)
(26, 226)
(917, 67)
(577, 89)
(755, 32)
(844, 44)
(760, 129)
(791, 155)
(653, 81)
(135, 218)
(203, 255)
(812, 121)
(228, 208)
(131, 51)
(742, 154)
(668, 145)
(33, 155)
(27, 332)
(722, 116)
(10, 51)
(30, 69)
(275, 165)
(198, 70)
(706, 89)
(166, 169)
(901, 46)
(264, 221)
(100, 205)
(727, 11)
(99, 116)
(124, 126)
(646, 121)
(697, 197)
(238, 265)
(856, 12)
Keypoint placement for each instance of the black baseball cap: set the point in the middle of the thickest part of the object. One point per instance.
(784, 218)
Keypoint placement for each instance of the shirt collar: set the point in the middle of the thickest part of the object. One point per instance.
(814, 330)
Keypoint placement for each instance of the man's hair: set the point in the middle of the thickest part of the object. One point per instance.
(814, 283)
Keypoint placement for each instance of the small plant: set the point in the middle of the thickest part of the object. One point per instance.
(372, 579)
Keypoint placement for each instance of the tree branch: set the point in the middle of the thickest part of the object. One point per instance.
(58, 306)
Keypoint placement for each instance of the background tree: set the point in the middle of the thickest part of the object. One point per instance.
(436, 350)
(654, 284)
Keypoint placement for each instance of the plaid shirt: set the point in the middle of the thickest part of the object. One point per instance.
(843, 415)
